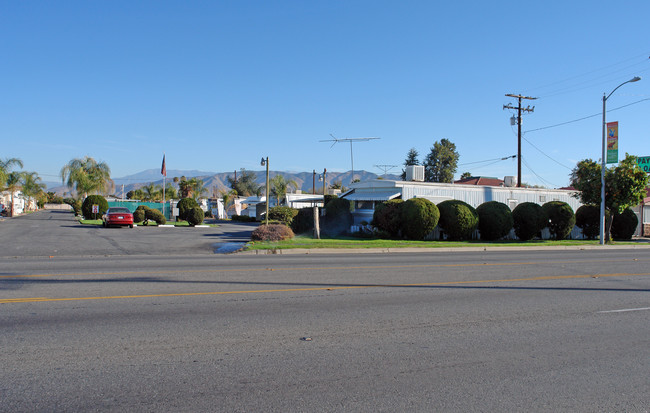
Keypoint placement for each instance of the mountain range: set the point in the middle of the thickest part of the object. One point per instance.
(218, 181)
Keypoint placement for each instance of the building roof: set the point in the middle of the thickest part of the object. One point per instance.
(480, 180)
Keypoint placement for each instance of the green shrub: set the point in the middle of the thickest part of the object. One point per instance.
(561, 218)
(283, 214)
(338, 216)
(75, 204)
(242, 218)
(195, 216)
(587, 219)
(277, 232)
(303, 221)
(87, 206)
(528, 219)
(419, 217)
(151, 214)
(386, 218)
(494, 220)
(624, 225)
(184, 205)
(458, 219)
(138, 215)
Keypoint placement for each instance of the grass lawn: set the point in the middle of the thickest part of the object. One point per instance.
(350, 242)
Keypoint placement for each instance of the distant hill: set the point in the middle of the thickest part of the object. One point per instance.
(216, 182)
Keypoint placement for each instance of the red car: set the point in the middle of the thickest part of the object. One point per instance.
(117, 216)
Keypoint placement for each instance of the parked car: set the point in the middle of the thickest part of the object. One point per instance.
(117, 216)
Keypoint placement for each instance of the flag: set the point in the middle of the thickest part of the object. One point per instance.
(163, 170)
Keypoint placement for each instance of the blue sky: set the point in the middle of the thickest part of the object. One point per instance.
(216, 85)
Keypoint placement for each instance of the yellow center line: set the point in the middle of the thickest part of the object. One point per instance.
(293, 269)
(324, 288)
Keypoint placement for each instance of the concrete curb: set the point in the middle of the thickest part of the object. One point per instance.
(303, 251)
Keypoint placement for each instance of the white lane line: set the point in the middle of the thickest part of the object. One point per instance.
(625, 310)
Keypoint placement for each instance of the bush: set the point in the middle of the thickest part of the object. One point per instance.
(283, 214)
(154, 215)
(195, 216)
(528, 219)
(338, 216)
(276, 232)
(624, 225)
(419, 217)
(386, 217)
(87, 206)
(561, 218)
(458, 219)
(138, 215)
(184, 205)
(75, 204)
(242, 218)
(494, 220)
(303, 221)
(587, 219)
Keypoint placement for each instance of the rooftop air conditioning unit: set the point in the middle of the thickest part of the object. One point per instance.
(415, 173)
(510, 181)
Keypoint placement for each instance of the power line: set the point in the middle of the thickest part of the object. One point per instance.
(539, 177)
(586, 117)
(490, 160)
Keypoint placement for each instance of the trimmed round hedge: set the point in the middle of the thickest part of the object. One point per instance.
(587, 217)
(154, 215)
(494, 220)
(283, 214)
(528, 220)
(87, 206)
(458, 219)
(194, 216)
(338, 216)
(387, 217)
(561, 218)
(419, 217)
(184, 205)
(303, 221)
(624, 225)
(140, 213)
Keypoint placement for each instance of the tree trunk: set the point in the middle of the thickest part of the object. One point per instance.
(608, 226)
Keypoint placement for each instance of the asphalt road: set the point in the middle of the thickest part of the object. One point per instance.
(480, 331)
(58, 233)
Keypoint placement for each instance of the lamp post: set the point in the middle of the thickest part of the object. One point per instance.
(604, 161)
(266, 162)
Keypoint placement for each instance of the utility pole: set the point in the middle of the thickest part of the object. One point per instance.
(519, 110)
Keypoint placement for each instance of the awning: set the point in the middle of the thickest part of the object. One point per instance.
(372, 196)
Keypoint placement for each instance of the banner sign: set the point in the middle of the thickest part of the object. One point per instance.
(612, 142)
(644, 163)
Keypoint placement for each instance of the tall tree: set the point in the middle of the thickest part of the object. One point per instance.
(245, 185)
(625, 186)
(411, 159)
(87, 176)
(466, 175)
(5, 169)
(32, 185)
(279, 186)
(441, 163)
(152, 192)
(170, 191)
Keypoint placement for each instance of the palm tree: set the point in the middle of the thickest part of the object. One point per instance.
(32, 185)
(170, 191)
(184, 187)
(279, 186)
(228, 198)
(13, 185)
(198, 188)
(87, 176)
(152, 192)
(5, 169)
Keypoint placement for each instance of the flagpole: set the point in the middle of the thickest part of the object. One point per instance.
(164, 173)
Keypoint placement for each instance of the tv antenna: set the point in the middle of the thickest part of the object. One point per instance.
(386, 168)
(351, 140)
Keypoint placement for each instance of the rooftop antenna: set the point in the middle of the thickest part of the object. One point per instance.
(386, 168)
(351, 140)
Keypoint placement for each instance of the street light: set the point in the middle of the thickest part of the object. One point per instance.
(266, 162)
(604, 162)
